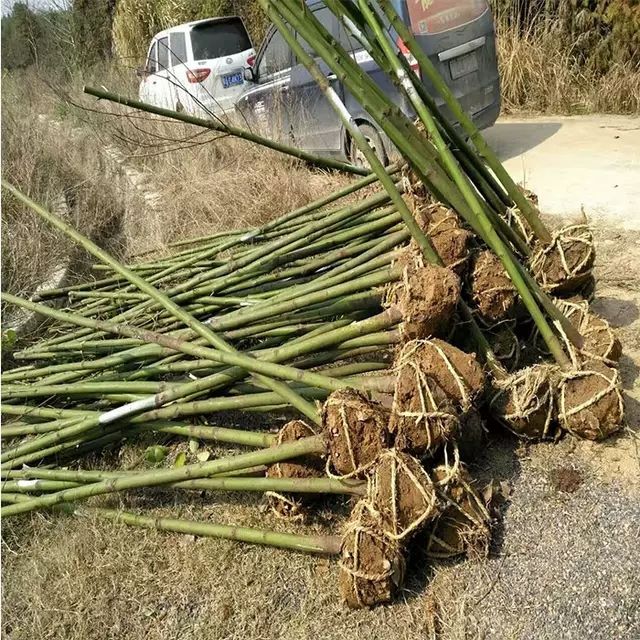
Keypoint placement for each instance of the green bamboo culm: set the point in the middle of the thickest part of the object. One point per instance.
(426, 66)
(279, 387)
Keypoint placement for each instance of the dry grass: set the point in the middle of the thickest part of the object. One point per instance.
(133, 181)
(540, 74)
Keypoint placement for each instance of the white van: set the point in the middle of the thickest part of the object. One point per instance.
(197, 66)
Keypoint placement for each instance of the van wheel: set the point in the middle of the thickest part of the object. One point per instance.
(373, 138)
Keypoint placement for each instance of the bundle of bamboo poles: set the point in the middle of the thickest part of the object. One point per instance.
(393, 322)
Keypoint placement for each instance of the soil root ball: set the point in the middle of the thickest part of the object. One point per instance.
(464, 524)
(590, 403)
(451, 242)
(305, 467)
(567, 263)
(423, 417)
(600, 341)
(427, 295)
(401, 491)
(371, 564)
(492, 291)
(457, 373)
(357, 431)
(524, 402)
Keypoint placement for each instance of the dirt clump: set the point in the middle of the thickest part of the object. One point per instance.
(492, 291)
(590, 403)
(371, 564)
(357, 431)
(472, 435)
(423, 417)
(463, 526)
(451, 242)
(524, 402)
(401, 491)
(600, 341)
(566, 479)
(566, 264)
(289, 505)
(457, 373)
(427, 295)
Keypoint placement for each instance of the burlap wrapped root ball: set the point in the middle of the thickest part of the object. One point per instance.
(371, 564)
(600, 341)
(451, 242)
(427, 296)
(311, 466)
(492, 292)
(464, 523)
(357, 431)
(423, 417)
(565, 265)
(402, 492)
(590, 403)
(524, 402)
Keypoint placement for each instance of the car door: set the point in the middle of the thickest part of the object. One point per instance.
(265, 102)
(315, 125)
(164, 88)
(148, 83)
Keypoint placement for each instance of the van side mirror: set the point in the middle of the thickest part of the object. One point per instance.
(141, 72)
(249, 74)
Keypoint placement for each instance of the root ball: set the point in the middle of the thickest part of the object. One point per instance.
(401, 491)
(457, 373)
(567, 263)
(288, 505)
(524, 402)
(428, 296)
(463, 526)
(590, 403)
(492, 291)
(371, 564)
(357, 431)
(423, 417)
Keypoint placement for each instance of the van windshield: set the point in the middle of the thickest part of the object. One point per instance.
(216, 39)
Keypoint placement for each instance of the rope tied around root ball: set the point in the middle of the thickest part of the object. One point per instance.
(427, 295)
(463, 526)
(493, 294)
(524, 401)
(287, 506)
(590, 402)
(402, 493)
(371, 564)
(567, 262)
(357, 433)
(420, 429)
(600, 341)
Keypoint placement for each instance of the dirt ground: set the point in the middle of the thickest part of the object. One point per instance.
(564, 561)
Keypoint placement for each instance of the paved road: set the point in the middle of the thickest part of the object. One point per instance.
(578, 161)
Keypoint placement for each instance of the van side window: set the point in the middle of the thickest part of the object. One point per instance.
(276, 56)
(152, 61)
(163, 53)
(177, 48)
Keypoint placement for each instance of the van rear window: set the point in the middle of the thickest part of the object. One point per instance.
(428, 17)
(218, 39)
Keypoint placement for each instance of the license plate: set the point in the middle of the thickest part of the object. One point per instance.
(462, 65)
(232, 79)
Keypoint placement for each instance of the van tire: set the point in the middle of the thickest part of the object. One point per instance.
(375, 140)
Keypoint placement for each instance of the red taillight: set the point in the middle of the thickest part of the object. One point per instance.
(197, 75)
(404, 50)
(250, 61)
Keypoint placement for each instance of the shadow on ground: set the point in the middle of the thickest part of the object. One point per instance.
(510, 139)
